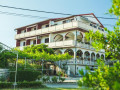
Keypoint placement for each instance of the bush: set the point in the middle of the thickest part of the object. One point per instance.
(25, 75)
(6, 85)
(21, 84)
(45, 79)
(54, 79)
(61, 79)
(104, 77)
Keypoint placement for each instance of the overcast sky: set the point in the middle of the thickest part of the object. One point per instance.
(8, 22)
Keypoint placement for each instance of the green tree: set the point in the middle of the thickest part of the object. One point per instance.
(105, 77)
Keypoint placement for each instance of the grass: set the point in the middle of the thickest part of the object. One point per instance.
(49, 89)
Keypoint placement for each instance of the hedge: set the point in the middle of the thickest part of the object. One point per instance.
(25, 75)
(21, 84)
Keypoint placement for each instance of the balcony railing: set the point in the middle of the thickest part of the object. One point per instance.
(62, 27)
(71, 43)
(82, 62)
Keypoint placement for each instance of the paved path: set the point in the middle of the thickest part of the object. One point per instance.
(62, 85)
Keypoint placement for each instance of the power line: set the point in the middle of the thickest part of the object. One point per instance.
(31, 16)
(22, 15)
(33, 10)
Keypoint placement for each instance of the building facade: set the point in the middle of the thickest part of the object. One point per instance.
(66, 35)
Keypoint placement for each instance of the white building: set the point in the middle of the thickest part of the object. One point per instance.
(66, 35)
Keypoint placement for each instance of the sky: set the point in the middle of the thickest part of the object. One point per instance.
(9, 22)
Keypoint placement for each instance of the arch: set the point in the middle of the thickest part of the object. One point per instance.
(58, 37)
(102, 56)
(80, 37)
(87, 55)
(92, 56)
(69, 51)
(58, 52)
(69, 36)
(79, 54)
(97, 56)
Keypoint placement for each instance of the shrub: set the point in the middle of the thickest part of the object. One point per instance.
(54, 79)
(45, 79)
(30, 84)
(6, 85)
(21, 84)
(25, 75)
(61, 79)
(104, 77)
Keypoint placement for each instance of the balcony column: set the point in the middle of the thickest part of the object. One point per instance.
(83, 56)
(75, 59)
(104, 57)
(36, 40)
(64, 37)
(95, 58)
(90, 58)
(50, 38)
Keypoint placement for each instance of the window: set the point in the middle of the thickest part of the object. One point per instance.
(99, 28)
(23, 43)
(95, 26)
(64, 21)
(47, 25)
(34, 28)
(46, 40)
(91, 24)
(34, 41)
(102, 29)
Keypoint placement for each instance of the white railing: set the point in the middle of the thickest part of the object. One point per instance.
(61, 27)
(82, 62)
(62, 43)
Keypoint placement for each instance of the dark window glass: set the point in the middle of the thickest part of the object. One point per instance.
(91, 24)
(34, 42)
(95, 26)
(23, 43)
(64, 21)
(47, 25)
(34, 28)
(47, 40)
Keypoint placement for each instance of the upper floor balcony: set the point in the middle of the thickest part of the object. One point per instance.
(61, 27)
(71, 43)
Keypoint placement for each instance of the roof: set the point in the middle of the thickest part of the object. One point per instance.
(57, 19)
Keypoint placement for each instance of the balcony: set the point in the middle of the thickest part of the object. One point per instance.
(61, 44)
(81, 62)
(62, 27)
(71, 43)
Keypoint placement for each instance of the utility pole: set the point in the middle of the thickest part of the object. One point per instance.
(15, 83)
(75, 49)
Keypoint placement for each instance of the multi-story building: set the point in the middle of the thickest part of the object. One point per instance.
(66, 35)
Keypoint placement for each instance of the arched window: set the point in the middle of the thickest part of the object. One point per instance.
(58, 52)
(92, 56)
(79, 54)
(97, 56)
(87, 55)
(79, 37)
(102, 56)
(69, 51)
(69, 36)
(58, 37)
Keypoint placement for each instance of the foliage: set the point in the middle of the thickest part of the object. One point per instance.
(5, 57)
(2, 78)
(46, 79)
(61, 79)
(54, 79)
(41, 52)
(21, 84)
(103, 78)
(25, 75)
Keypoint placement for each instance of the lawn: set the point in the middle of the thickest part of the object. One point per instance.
(49, 89)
